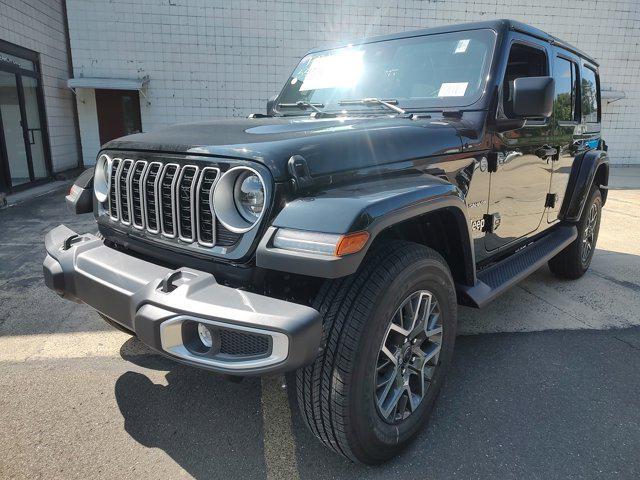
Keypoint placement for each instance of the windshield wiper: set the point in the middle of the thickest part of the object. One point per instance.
(302, 105)
(374, 101)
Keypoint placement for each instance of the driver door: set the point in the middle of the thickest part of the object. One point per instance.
(522, 158)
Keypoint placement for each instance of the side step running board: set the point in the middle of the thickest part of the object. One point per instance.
(498, 278)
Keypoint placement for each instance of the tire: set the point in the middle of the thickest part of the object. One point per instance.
(336, 393)
(572, 262)
(116, 325)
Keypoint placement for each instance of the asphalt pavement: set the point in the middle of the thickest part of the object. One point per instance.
(545, 382)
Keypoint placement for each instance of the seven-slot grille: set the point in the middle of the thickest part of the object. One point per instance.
(168, 199)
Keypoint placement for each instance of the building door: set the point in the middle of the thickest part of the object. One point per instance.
(24, 157)
(118, 113)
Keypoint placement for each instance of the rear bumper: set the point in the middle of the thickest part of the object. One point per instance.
(251, 334)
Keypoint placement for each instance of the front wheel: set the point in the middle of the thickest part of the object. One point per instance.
(575, 259)
(388, 336)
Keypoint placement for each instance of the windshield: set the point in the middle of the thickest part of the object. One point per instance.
(431, 71)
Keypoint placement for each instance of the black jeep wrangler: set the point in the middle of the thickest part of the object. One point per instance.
(390, 181)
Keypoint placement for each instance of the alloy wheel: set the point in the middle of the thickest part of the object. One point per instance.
(408, 356)
(589, 237)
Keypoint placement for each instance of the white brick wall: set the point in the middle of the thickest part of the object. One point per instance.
(213, 58)
(39, 25)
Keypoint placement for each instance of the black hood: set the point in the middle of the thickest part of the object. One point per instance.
(329, 145)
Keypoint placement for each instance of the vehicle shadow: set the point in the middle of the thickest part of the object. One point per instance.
(515, 405)
(497, 417)
(208, 425)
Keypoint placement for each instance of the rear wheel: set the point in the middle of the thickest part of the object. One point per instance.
(388, 337)
(574, 261)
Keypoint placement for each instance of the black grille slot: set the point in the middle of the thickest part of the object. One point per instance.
(243, 344)
(224, 237)
(150, 196)
(123, 193)
(136, 195)
(186, 213)
(113, 198)
(167, 183)
(168, 198)
(206, 233)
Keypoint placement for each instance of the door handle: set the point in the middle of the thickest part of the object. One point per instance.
(546, 151)
(32, 137)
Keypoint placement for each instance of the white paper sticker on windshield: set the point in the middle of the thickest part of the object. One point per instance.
(453, 89)
(462, 46)
(341, 70)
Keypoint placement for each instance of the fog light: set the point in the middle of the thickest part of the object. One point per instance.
(205, 335)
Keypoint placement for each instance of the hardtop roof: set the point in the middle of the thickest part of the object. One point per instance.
(501, 25)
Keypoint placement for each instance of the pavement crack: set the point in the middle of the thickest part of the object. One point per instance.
(622, 283)
(542, 299)
(635, 347)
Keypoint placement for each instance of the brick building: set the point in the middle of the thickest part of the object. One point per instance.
(207, 59)
(142, 64)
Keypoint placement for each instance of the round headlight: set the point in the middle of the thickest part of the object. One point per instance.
(239, 199)
(249, 196)
(101, 178)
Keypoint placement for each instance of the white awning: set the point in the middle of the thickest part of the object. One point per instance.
(612, 95)
(108, 83)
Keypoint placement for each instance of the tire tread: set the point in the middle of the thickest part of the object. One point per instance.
(346, 304)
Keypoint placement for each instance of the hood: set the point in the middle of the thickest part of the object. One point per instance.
(329, 145)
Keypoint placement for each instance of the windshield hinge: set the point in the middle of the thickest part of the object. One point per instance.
(301, 178)
(300, 174)
(452, 113)
(323, 115)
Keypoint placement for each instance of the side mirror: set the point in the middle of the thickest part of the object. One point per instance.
(533, 97)
(271, 103)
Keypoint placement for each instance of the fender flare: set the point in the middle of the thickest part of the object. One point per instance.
(583, 173)
(373, 207)
(80, 198)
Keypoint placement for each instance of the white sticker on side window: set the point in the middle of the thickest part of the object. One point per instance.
(462, 46)
(453, 89)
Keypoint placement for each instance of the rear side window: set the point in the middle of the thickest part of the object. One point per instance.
(589, 102)
(565, 75)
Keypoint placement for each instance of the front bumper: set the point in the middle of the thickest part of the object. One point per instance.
(162, 306)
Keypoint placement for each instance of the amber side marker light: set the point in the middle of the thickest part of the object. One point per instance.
(329, 244)
(351, 243)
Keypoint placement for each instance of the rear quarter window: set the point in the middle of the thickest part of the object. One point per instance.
(589, 91)
(564, 73)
